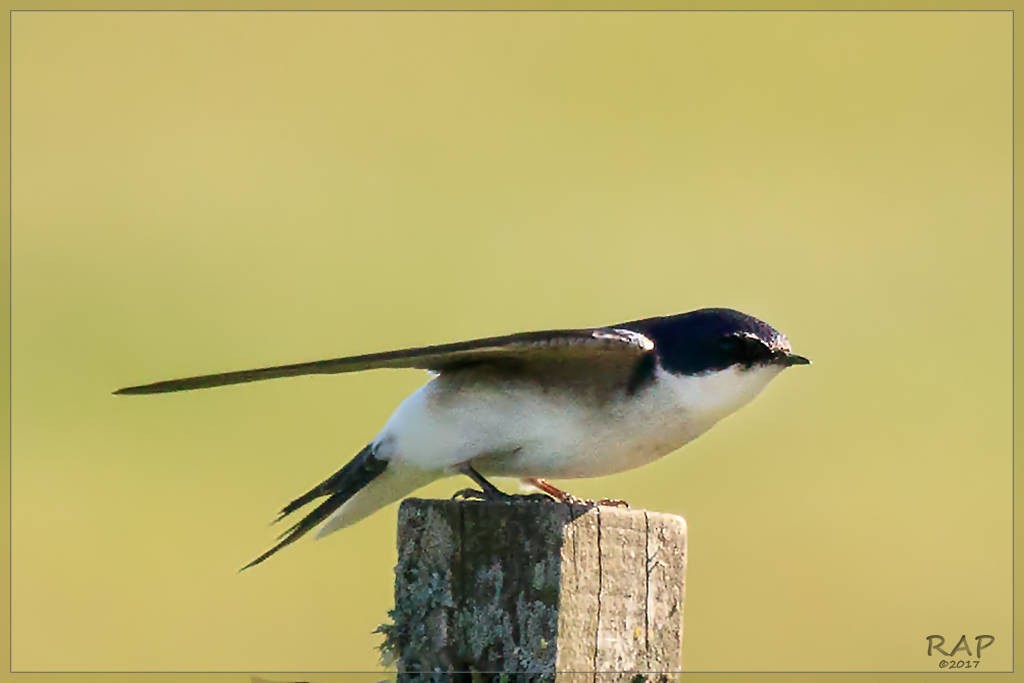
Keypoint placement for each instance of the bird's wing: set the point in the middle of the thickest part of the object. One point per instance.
(594, 344)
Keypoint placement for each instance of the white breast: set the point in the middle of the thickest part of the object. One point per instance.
(524, 430)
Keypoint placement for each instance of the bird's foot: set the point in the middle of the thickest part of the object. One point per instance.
(476, 494)
(542, 497)
(613, 503)
(569, 499)
(590, 503)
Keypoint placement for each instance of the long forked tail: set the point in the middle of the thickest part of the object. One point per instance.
(338, 488)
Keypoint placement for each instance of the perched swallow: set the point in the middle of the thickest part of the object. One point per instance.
(559, 403)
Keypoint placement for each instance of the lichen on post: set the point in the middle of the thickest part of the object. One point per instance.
(536, 590)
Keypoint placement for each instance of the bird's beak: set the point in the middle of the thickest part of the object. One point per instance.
(792, 359)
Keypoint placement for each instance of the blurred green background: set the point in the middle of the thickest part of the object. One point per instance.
(203, 192)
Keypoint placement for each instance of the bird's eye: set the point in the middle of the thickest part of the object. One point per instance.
(730, 344)
(746, 350)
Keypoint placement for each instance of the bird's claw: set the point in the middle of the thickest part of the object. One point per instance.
(470, 494)
(538, 496)
(570, 499)
(561, 496)
(550, 494)
(477, 494)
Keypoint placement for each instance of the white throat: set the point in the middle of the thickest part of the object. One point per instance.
(707, 398)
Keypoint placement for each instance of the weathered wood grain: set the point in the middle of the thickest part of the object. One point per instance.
(534, 590)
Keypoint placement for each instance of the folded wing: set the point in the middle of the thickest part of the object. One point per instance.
(593, 345)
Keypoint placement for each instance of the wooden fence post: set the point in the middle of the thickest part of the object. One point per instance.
(496, 591)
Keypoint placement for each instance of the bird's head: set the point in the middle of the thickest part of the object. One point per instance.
(714, 339)
(721, 358)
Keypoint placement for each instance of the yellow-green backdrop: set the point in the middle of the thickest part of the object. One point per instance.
(196, 192)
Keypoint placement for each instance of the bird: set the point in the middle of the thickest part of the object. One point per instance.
(564, 403)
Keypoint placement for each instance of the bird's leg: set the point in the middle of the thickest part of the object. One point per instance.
(569, 499)
(552, 490)
(488, 491)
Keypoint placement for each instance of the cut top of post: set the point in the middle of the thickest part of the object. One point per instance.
(537, 587)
